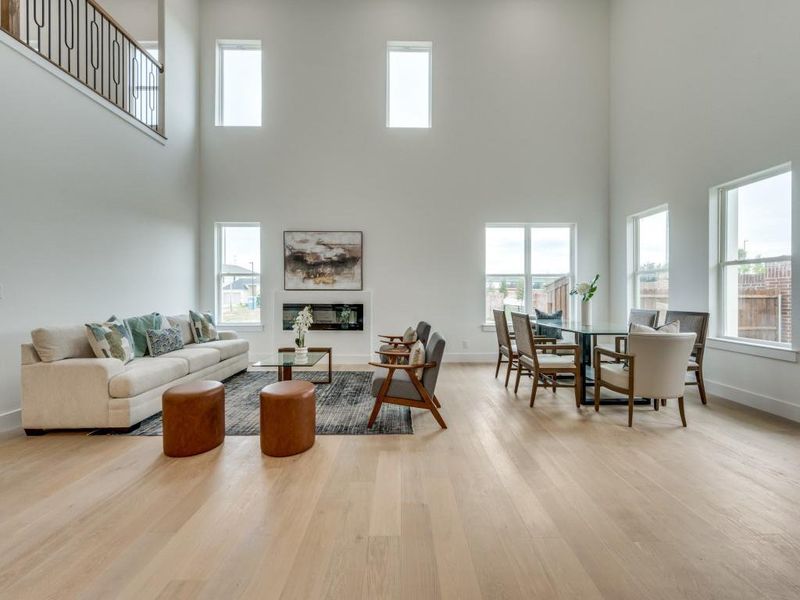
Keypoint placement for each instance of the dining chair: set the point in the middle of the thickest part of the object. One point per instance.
(400, 384)
(697, 323)
(637, 316)
(538, 357)
(506, 347)
(653, 367)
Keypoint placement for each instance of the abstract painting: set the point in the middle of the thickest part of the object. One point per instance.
(322, 260)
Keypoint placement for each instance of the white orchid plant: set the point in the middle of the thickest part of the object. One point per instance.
(302, 323)
(586, 289)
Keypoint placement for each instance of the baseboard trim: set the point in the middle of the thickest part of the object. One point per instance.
(10, 423)
(774, 406)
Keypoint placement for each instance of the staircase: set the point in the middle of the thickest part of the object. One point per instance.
(83, 40)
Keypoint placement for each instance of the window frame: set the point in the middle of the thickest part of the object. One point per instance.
(219, 275)
(723, 262)
(219, 96)
(634, 297)
(528, 276)
(409, 47)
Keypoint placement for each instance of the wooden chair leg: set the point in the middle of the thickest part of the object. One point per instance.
(680, 408)
(630, 409)
(519, 374)
(663, 402)
(578, 389)
(656, 403)
(499, 360)
(375, 410)
(427, 400)
(436, 401)
(509, 369)
(533, 391)
(701, 386)
(596, 394)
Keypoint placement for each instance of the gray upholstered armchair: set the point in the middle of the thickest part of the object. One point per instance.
(394, 383)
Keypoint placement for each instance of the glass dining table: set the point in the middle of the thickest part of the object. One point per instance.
(585, 338)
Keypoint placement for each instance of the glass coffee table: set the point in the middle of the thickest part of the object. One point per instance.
(286, 359)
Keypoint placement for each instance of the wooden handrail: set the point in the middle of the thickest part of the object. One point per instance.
(123, 31)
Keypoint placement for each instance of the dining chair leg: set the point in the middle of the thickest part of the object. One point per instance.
(596, 394)
(701, 386)
(630, 409)
(509, 369)
(656, 403)
(578, 389)
(663, 402)
(680, 408)
(533, 391)
(519, 374)
(499, 360)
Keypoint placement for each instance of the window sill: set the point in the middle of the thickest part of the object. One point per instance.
(753, 349)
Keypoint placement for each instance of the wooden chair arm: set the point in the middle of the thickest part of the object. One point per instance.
(404, 367)
(392, 353)
(400, 343)
(619, 356)
(390, 337)
(619, 342)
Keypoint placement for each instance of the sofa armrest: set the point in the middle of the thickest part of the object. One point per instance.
(69, 393)
(228, 335)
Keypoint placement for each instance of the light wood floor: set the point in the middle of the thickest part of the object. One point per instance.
(510, 502)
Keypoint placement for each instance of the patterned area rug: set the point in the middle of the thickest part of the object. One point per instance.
(343, 406)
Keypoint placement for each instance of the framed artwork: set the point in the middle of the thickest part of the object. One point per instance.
(323, 260)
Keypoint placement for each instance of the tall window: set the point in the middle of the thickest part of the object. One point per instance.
(650, 260)
(529, 267)
(755, 258)
(238, 281)
(408, 84)
(238, 83)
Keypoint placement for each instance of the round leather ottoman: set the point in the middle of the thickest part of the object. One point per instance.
(288, 418)
(194, 418)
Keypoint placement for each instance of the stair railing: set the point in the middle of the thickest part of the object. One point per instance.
(85, 41)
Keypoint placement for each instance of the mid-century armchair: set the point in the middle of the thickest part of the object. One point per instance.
(538, 357)
(697, 323)
(399, 343)
(394, 383)
(506, 347)
(654, 367)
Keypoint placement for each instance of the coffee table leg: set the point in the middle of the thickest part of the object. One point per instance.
(284, 373)
(330, 365)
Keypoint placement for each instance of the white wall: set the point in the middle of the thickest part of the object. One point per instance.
(520, 134)
(703, 93)
(95, 216)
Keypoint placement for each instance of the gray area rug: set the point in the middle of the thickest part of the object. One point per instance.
(343, 406)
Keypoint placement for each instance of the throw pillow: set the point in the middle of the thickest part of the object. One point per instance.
(138, 327)
(110, 340)
(410, 335)
(671, 327)
(417, 357)
(185, 325)
(551, 332)
(203, 328)
(161, 341)
(553, 316)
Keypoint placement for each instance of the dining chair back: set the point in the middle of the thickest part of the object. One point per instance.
(697, 323)
(642, 316)
(659, 368)
(523, 335)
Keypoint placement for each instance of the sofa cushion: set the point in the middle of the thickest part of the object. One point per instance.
(138, 327)
(58, 343)
(163, 341)
(228, 348)
(198, 358)
(110, 340)
(185, 324)
(144, 374)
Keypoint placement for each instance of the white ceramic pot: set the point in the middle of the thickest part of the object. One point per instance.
(301, 351)
(586, 313)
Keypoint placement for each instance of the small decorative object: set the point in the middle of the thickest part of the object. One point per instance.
(301, 325)
(586, 290)
(344, 316)
(322, 260)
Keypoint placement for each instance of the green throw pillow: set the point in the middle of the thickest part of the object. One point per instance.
(138, 327)
(203, 328)
(110, 340)
(161, 341)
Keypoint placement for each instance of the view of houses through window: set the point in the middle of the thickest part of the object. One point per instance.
(650, 275)
(528, 267)
(239, 273)
(755, 258)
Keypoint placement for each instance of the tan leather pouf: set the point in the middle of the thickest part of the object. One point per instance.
(194, 418)
(288, 418)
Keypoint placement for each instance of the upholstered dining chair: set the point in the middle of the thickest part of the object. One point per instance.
(394, 383)
(546, 364)
(506, 347)
(697, 323)
(637, 316)
(653, 367)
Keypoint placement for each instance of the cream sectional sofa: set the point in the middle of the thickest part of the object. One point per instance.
(65, 387)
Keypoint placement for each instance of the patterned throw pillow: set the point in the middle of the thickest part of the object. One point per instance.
(110, 340)
(417, 357)
(138, 327)
(161, 341)
(203, 328)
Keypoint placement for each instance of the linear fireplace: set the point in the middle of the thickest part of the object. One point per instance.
(327, 317)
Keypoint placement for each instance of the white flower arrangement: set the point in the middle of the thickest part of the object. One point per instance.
(586, 289)
(302, 323)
